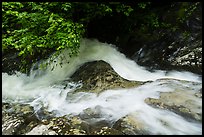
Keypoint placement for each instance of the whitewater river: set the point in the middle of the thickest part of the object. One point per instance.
(39, 90)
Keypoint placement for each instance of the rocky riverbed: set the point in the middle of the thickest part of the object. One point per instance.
(183, 98)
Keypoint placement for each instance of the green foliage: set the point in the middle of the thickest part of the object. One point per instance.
(152, 20)
(125, 9)
(37, 29)
(143, 5)
(34, 30)
(173, 19)
(186, 11)
(186, 34)
(85, 12)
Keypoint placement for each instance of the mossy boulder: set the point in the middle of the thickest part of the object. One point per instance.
(98, 76)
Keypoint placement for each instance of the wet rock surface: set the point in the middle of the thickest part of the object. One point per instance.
(20, 120)
(183, 100)
(98, 76)
(66, 125)
(41, 130)
(176, 51)
(130, 125)
(17, 119)
(176, 48)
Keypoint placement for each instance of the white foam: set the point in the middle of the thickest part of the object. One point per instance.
(39, 90)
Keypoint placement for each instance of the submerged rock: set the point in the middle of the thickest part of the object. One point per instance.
(90, 113)
(130, 125)
(98, 76)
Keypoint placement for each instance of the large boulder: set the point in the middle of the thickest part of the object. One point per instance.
(98, 76)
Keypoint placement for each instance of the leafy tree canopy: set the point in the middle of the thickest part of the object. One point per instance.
(37, 29)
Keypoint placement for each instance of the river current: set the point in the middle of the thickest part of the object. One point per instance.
(39, 89)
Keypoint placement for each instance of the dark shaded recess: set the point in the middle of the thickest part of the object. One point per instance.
(126, 33)
(11, 61)
(122, 30)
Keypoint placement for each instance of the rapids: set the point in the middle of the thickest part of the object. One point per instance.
(39, 89)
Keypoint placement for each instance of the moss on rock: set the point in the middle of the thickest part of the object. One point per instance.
(98, 76)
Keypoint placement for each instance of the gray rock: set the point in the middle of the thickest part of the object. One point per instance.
(41, 130)
(183, 100)
(17, 119)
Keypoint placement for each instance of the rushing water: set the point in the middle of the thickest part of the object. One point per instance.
(40, 90)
